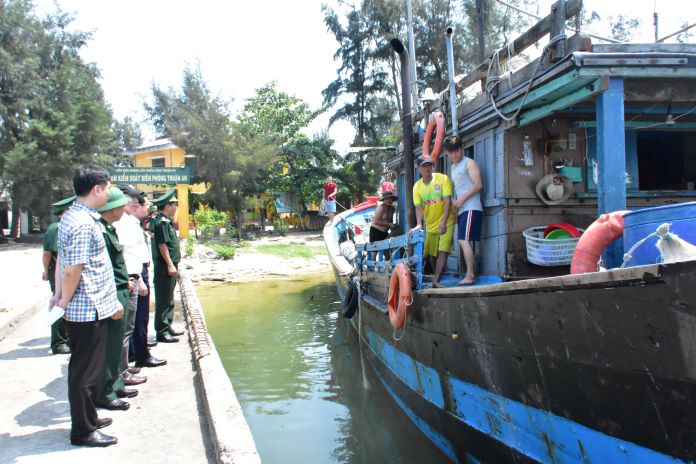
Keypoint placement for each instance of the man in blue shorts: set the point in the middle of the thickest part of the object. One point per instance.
(466, 179)
(330, 191)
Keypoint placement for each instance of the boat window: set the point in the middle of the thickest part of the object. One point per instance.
(666, 160)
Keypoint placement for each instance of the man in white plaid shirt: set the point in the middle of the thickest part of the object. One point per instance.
(86, 290)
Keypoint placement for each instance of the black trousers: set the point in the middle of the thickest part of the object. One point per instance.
(85, 370)
(138, 343)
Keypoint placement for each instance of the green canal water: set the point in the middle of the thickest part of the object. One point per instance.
(297, 370)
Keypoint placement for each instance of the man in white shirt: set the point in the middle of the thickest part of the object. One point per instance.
(136, 252)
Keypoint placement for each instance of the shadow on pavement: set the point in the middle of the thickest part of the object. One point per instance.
(37, 443)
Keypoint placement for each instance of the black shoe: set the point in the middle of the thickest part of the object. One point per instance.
(132, 379)
(115, 405)
(95, 438)
(134, 370)
(164, 338)
(127, 393)
(151, 362)
(61, 349)
(175, 333)
(151, 343)
(103, 422)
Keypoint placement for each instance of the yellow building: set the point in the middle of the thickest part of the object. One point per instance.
(163, 153)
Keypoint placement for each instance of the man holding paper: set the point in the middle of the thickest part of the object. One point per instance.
(86, 290)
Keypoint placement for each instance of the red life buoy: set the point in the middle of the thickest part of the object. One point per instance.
(436, 121)
(399, 295)
(606, 229)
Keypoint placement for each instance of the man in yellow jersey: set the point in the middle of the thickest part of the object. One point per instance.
(431, 197)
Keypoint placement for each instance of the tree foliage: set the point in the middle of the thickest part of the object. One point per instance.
(623, 27)
(53, 116)
(303, 162)
(231, 157)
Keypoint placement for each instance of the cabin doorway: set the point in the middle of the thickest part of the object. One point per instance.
(666, 160)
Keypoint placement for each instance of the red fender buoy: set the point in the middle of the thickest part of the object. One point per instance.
(606, 229)
(399, 295)
(436, 121)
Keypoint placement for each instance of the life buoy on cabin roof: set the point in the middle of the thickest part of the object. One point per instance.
(399, 295)
(606, 229)
(437, 121)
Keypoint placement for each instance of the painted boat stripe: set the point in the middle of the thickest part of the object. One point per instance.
(433, 434)
(534, 432)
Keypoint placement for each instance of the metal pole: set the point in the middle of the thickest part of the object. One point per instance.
(452, 84)
(655, 24)
(481, 37)
(412, 52)
(407, 125)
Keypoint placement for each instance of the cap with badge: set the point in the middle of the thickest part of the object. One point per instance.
(167, 197)
(62, 205)
(116, 199)
(424, 160)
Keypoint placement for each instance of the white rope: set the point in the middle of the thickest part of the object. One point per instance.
(629, 254)
(493, 81)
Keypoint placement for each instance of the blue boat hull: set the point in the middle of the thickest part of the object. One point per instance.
(575, 369)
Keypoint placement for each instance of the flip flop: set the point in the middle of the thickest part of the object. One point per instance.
(461, 282)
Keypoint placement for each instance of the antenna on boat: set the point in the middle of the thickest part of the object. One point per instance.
(412, 53)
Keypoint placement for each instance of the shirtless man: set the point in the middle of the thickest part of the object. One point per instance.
(384, 215)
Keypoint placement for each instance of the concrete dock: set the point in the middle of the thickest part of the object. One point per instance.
(169, 421)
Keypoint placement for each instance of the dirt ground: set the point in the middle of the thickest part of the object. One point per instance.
(249, 264)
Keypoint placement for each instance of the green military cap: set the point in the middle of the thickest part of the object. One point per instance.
(62, 205)
(116, 199)
(167, 197)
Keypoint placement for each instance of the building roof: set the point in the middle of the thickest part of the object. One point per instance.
(154, 145)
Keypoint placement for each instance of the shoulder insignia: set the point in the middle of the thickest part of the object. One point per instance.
(164, 219)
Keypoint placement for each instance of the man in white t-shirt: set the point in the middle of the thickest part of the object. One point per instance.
(467, 183)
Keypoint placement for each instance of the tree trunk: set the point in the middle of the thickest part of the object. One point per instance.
(395, 80)
(240, 224)
(16, 213)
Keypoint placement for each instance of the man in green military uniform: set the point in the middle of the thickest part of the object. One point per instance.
(112, 385)
(166, 256)
(59, 335)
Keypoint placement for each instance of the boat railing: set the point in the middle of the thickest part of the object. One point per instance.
(384, 255)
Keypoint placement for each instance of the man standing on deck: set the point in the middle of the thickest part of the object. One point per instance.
(166, 255)
(86, 290)
(466, 178)
(59, 335)
(330, 191)
(431, 197)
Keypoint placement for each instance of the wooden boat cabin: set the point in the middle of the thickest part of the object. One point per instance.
(618, 120)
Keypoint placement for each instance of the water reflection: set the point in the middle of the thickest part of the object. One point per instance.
(297, 371)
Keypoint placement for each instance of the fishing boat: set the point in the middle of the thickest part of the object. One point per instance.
(533, 363)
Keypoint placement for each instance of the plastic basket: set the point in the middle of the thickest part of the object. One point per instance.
(547, 252)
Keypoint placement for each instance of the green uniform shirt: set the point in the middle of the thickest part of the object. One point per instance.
(165, 233)
(115, 250)
(50, 243)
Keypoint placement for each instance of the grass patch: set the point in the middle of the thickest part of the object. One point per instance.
(290, 250)
(225, 251)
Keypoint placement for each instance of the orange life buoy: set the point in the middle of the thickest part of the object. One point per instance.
(399, 295)
(606, 229)
(436, 121)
